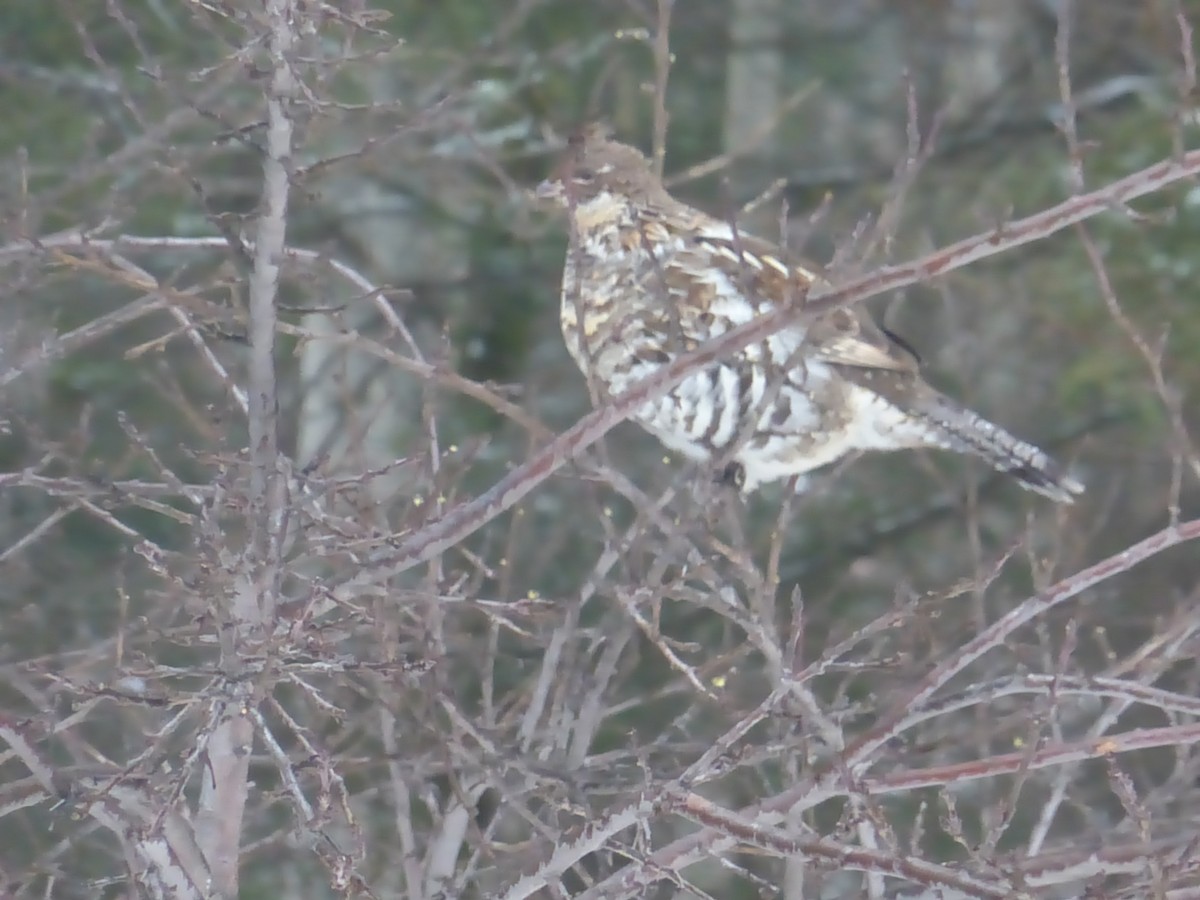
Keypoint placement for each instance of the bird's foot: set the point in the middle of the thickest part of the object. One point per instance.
(720, 494)
(732, 475)
(731, 505)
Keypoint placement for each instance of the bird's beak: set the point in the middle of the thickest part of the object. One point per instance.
(550, 189)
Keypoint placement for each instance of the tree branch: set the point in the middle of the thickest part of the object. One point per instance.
(466, 518)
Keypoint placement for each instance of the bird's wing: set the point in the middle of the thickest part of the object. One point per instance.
(848, 338)
(843, 337)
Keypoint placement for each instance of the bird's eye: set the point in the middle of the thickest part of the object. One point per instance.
(585, 174)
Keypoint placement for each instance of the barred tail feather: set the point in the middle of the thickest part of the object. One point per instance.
(969, 433)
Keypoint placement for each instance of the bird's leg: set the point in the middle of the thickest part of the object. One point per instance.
(723, 499)
(732, 475)
(730, 508)
(724, 479)
(708, 488)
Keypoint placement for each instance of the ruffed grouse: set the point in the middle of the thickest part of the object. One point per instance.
(647, 278)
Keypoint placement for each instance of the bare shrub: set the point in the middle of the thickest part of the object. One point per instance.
(321, 578)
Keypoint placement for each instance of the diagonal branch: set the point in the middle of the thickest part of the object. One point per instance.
(466, 518)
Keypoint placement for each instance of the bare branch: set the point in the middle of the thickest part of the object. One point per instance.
(449, 529)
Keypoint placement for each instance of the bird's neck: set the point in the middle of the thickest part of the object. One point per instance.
(612, 225)
(605, 213)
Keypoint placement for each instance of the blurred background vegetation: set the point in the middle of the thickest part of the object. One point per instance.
(422, 130)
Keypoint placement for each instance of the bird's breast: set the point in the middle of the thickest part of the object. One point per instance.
(619, 280)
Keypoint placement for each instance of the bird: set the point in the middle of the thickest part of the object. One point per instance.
(648, 278)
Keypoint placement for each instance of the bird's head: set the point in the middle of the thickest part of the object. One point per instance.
(597, 171)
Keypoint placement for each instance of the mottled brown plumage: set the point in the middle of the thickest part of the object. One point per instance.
(648, 277)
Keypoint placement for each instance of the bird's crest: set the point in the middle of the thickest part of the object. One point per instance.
(588, 134)
(594, 163)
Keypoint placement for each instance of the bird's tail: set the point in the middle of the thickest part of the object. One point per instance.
(967, 432)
